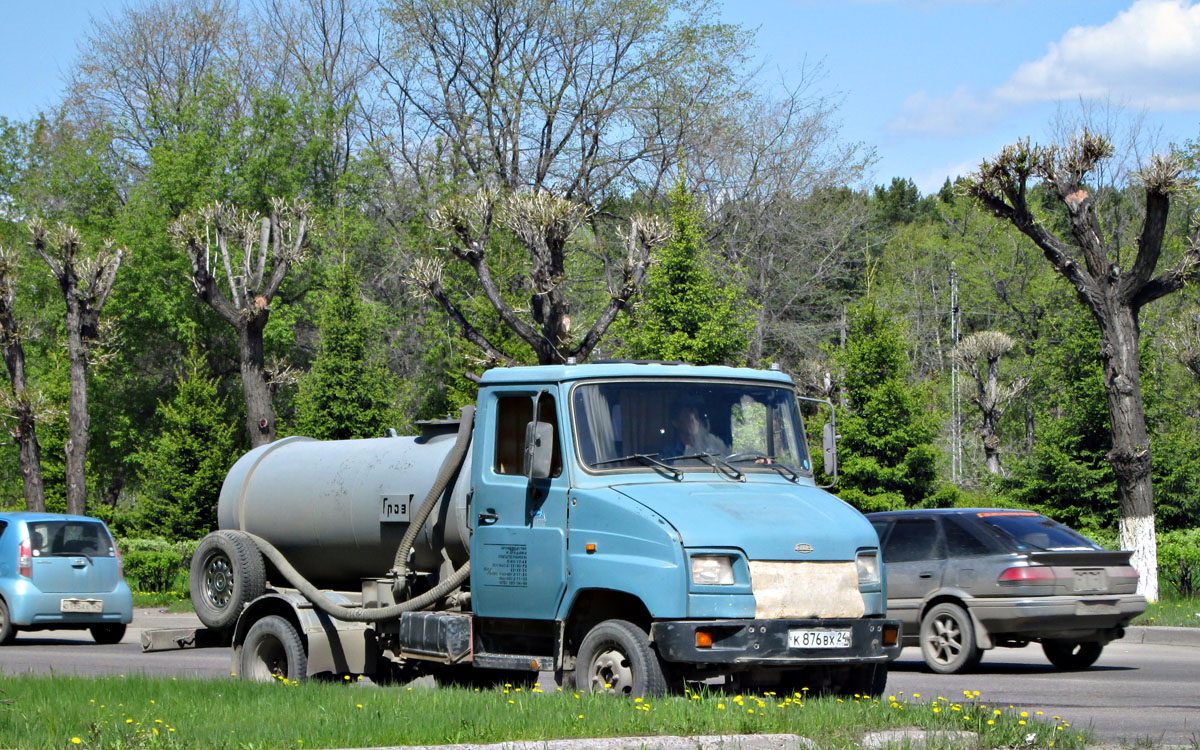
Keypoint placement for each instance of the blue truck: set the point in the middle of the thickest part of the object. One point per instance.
(623, 527)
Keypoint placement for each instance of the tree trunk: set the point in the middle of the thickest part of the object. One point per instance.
(77, 412)
(260, 410)
(1130, 455)
(29, 451)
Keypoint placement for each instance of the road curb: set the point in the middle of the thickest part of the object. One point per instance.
(1162, 636)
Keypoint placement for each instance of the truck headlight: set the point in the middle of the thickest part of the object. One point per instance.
(867, 563)
(712, 570)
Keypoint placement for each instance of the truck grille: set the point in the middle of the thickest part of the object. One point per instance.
(793, 590)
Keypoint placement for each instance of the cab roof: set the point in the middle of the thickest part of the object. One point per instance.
(666, 370)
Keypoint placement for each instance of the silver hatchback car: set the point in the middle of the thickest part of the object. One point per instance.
(61, 572)
(963, 580)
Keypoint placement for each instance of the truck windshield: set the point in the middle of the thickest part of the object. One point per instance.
(688, 424)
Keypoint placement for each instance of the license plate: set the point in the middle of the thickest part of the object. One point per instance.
(82, 605)
(818, 639)
(1089, 580)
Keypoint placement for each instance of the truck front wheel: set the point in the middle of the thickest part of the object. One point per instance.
(273, 650)
(616, 657)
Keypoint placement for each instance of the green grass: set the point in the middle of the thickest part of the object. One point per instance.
(1171, 611)
(135, 712)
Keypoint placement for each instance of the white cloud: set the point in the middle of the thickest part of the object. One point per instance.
(1149, 55)
(956, 114)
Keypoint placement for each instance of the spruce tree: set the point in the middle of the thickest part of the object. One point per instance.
(347, 393)
(686, 314)
(886, 454)
(184, 466)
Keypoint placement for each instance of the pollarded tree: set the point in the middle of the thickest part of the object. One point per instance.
(185, 464)
(85, 282)
(347, 394)
(981, 352)
(21, 405)
(887, 456)
(1113, 282)
(212, 238)
(686, 313)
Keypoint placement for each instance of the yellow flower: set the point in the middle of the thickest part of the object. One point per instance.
(637, 700)
(581, 716)
(975, 693)
(990, 722)
(359, 705)
(1021, 722)
(346, 678)
(916, 695)
(721, 706)
(1024, 713)
(937, 710)
(129, 721)
(512, 702)
(75, 740)
(158, 721)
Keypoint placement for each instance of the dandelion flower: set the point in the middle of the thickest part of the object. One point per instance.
(991, 722)
(359, 705)
(75, 740)
(720, 706)
(1021, 722)
(129, 721)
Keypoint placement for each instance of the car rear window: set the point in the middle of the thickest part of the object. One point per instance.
(1036, 532)
(48, 538)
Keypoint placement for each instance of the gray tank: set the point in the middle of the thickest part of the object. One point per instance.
(338, 509)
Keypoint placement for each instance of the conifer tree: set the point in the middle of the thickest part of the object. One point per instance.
(187, 461)
(347, 394)
(686, 313)
(886, 454)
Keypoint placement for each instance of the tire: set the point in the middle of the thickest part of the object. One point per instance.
(1072, 655)
(273, 651)
(615, 657)
(108, 634)
(8, 631)
(865, 680)
(227, 574)
(948, 639)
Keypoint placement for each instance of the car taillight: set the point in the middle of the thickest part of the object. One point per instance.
(1026, 575)
(1125, 571)
(25, 559)
(120, 562)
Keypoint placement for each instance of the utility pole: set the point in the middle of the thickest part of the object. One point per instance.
(956, 467)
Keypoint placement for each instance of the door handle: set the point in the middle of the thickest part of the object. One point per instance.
(488, 518)
(925, 574)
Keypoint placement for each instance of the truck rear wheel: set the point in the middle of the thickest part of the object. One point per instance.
(616, 657)
(273, 650)
(227, 573)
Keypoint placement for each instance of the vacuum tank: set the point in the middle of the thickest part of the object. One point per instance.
(338, 509)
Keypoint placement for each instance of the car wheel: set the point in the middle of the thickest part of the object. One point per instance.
(272, 651)
(108, 634)
(8, 631)
(865, 680)
(615, 657)
(948, 639)
(1072, 655)
(227, 573)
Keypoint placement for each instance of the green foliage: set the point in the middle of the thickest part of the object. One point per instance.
(886, 454)
(348, 393)
(687, 314)
(146, 570)
(185, 464)
(901, 203)
(1179, 560)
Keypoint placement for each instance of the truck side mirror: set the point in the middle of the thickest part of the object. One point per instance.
(539, 449)
(829, 450)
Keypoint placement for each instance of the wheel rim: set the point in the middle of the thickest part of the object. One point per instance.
(218, 580)
(269, 661)
(611, 672)
(946, 641)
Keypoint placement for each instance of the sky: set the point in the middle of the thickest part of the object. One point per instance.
(933, 86)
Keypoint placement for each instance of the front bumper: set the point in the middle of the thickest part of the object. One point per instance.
(765, 642)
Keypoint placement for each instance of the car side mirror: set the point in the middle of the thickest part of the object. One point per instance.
(539, 449)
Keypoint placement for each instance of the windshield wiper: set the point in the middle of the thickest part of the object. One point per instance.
(714, 461)
(649, 459)
(762, 459)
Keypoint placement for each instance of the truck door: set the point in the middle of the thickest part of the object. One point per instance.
(519, 544)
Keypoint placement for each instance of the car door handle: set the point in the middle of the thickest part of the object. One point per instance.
(926, 574)
(486, 519)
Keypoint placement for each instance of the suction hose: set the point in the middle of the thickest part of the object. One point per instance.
(450, 465)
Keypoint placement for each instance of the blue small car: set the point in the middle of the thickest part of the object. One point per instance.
(60, 572)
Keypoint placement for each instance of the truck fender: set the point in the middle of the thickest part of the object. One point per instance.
(332, 645)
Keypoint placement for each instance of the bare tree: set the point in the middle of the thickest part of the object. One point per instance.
(981, 352)
(212, 238)
(85, 282)
(543, 224)
(20, 404)
(1113, 283)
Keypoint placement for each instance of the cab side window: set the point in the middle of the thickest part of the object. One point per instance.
(513, 414)
(911, 540)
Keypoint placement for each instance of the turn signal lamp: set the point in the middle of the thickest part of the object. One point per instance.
(590, 547)
(890, 636)
(703, 639)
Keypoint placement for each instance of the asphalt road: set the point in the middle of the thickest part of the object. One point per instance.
(1135, 692)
